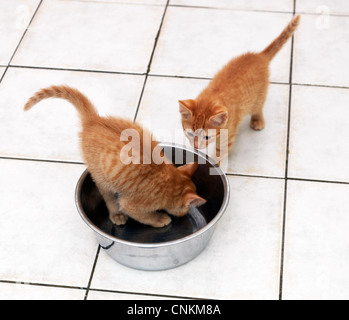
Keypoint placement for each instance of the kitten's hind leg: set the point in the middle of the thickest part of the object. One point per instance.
(257, 119)
(115, 215)
(119, 219)
(154, 219)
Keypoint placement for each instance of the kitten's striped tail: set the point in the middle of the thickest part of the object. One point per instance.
(277, 44)
(75, 97)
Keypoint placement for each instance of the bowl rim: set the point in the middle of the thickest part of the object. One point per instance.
(196, 234)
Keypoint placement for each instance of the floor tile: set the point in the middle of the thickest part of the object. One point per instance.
(43, 239)
(263, 152)
(240, 262)
(318, 136)
(273, 5)
(323, 7)
(50, 130)
(15, 16)
(254, 153)
(99, 36)
(198, 42)
(320, 51)
(14, 291)
(316, 248)
(159, 109)
(103, 295)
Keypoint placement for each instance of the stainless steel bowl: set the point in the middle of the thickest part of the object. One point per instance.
(143, 247)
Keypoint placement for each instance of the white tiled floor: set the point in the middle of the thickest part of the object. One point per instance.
(50, 130)
(95, 41)
(14, 16)
(284, 234)
(192, 45)
(319, 146)
(316, 251)
(321, 47)
(323, 7)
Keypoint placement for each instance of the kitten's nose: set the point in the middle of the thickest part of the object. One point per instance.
(196, 143)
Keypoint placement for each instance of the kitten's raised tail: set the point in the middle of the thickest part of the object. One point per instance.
(75, 97)
(271, 50)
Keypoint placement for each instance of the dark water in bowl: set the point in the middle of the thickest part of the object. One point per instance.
(135, 232)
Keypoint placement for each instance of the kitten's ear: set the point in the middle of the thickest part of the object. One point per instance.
(189, 168)
(186, 108)
(192, 200)
(219, 117)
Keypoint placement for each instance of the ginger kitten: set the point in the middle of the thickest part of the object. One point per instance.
(129, 190)
(238, 89)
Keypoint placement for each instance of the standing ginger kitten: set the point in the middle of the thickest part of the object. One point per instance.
(142, 188)
(238, 89)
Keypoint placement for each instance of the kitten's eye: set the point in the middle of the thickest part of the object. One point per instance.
(207, 137)
(190, 134)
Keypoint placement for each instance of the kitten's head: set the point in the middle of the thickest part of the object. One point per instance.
(184, 197)
(201, 121)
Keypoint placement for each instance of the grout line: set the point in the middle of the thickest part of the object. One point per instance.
(92, 273)
(286, 164)
(253, 176)
(318, 180)
(117, 2)
(157, 37)
(319, 85)
(257, 10)
(227, 9)
(77, 70)
(62, 286)
(288, 178)
(199, 78)
(41, 160)
(140, 98)
(20, 41)
(320, 14)
(151, 60)
(24, 283)
(164, 75)
(178, 76)
(148, 294)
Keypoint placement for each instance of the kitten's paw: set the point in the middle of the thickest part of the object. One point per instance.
(119, 219)
(161, 220)
(257, 124)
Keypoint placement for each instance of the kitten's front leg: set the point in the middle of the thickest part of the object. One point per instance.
(119, 219)
(224, 143)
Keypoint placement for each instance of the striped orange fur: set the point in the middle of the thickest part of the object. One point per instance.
(237, 90)
(142, 189)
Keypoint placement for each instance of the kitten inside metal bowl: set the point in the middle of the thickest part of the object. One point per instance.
(143, 247)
